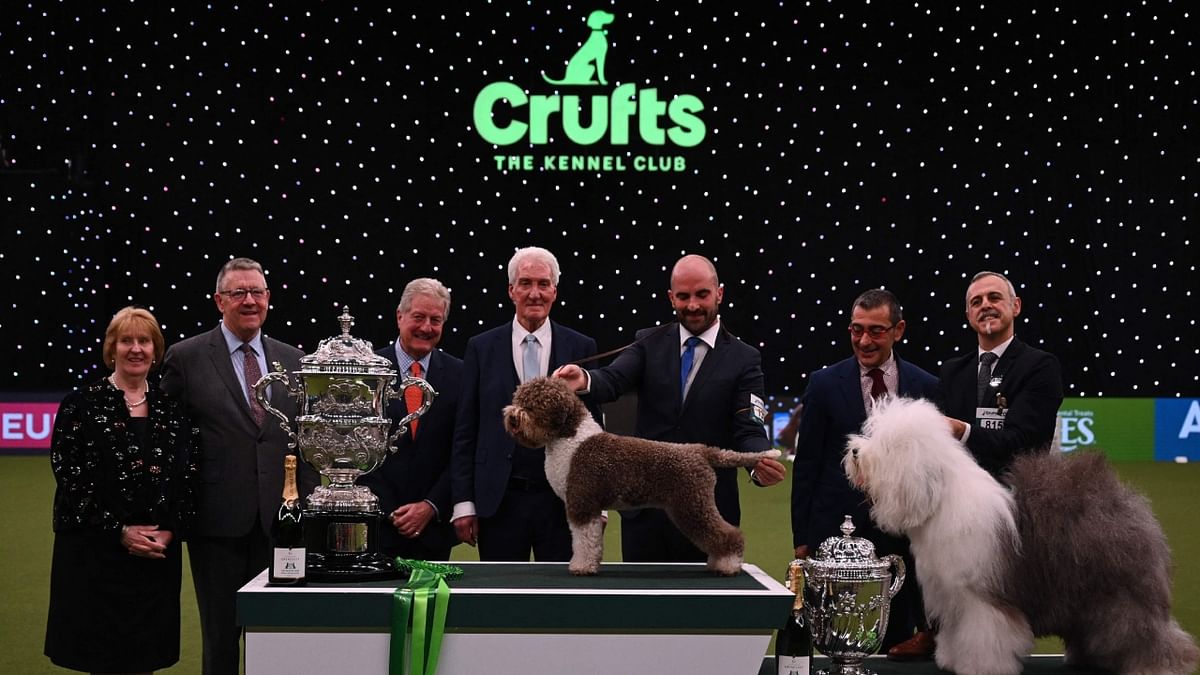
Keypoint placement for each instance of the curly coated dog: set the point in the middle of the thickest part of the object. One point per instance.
(1065, 550)
(591, 470)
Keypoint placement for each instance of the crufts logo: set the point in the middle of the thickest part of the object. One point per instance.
(505, 114)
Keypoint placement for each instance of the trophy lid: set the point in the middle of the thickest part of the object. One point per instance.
(346, 354)
(847, 558)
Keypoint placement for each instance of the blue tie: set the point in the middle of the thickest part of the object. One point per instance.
(685, 363)
(531, 362)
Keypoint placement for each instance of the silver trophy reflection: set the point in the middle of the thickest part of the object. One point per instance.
(342, 431)
(847, 593)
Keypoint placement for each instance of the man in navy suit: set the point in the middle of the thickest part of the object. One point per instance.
(1014, 408)
(413, 484)
(502, 500)
(242, 451)
(835, 404)
(696, 383)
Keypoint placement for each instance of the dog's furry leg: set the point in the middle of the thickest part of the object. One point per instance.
(704, 527)
(982, 638)
(587, 546)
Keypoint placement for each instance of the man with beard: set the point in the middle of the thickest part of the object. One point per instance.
(502, 500)
(696, 383)
(1001, 399)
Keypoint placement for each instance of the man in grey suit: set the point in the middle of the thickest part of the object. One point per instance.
(696, 383)
(243, 450)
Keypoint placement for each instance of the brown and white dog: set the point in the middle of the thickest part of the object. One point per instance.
(592, 470)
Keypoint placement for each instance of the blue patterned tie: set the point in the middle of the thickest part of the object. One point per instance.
(532, 362)
(685, 363)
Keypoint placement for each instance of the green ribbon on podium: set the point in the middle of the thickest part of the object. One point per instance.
(427, 580)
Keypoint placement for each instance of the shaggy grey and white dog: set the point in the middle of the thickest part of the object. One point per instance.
(592, 470)
(1068, 551)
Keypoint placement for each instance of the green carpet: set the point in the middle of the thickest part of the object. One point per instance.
(27, 490)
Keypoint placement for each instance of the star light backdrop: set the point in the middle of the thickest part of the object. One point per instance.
(848, 145)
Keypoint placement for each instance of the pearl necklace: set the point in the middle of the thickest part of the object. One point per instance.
(113, 381)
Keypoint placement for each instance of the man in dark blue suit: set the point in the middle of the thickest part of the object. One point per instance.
(835, 403)
(696, 383)
(502, 500)
(1013, 409)
(413, 485)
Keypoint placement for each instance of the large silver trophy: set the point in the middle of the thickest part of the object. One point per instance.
(847, 593)
(342, 431)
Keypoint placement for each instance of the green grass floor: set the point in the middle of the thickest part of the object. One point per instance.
(27, 490)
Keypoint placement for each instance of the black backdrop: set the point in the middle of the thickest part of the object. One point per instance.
(848, 145)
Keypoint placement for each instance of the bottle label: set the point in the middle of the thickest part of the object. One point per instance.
(289, 563)
(793, 665)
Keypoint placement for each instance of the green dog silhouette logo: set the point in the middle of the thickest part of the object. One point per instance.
(589, 59)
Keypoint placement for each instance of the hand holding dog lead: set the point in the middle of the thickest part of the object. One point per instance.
(573, 375)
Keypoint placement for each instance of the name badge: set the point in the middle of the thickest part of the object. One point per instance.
(990, 418)
(758, 409)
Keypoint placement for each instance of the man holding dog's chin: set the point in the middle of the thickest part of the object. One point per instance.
(716, 402)
(1012, 407)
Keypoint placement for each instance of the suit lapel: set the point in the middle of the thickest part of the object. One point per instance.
(852, 389)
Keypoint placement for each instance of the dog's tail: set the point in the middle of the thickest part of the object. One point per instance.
(551, 81)
(729, 458)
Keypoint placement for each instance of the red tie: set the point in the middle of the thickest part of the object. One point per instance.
(413, 397)
(878, 386)
(253, 374)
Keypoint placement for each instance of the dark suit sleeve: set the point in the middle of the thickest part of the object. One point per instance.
(466, 429)
(811, 442)
(748, 433)
(622, 375)
(1029, 423)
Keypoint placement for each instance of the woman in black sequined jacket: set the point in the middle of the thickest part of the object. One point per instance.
(125, 460)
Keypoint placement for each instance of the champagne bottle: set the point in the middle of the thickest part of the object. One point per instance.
(793, 642)
(287, 533)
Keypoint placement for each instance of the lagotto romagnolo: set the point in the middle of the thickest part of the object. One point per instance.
(592, 470)
(1062, 548)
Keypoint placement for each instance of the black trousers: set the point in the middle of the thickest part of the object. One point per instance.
(220, 566)
(530, 519)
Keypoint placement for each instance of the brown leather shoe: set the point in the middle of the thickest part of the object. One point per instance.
(917, 648)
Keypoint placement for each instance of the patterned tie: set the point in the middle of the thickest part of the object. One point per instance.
(253, 374)
(685, 364)
(878, 386)
(986, 360)
(413, 398)
(532, 358)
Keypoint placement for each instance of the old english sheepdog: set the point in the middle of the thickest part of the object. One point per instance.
(592, 470)
(1068, 551)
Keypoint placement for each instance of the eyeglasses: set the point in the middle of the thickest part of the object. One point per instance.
(874, 331)
(239, 294)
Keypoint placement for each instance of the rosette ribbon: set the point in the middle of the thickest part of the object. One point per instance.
(415, 621)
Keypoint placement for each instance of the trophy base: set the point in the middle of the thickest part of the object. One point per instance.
(344, 547)
(334, 569)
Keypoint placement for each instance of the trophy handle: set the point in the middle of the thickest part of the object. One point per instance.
(260, 395)
(427, 396)
(898, 580)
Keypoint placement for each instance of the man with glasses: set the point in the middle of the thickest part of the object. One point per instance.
(242, 450)
(836, 403)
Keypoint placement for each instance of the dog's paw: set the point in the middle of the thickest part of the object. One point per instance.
(725, 565)
(581, 570)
